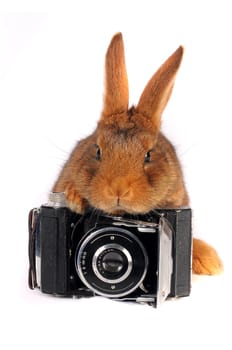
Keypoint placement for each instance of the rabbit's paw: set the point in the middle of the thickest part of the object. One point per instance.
(205, 259)
(75, 202)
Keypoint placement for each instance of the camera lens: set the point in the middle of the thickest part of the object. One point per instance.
(111, 261)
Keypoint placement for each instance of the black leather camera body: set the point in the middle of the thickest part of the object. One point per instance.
(142, 258)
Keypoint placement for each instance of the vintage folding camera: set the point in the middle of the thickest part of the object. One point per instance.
(143, 258)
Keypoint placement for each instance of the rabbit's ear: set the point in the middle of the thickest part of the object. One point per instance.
(158, 90)
(116, 84)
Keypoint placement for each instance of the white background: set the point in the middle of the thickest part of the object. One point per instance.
(51, 86)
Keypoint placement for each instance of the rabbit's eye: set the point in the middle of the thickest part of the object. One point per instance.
(98, 153)
(147, 157)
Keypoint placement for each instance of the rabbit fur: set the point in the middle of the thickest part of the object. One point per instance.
(127, 164)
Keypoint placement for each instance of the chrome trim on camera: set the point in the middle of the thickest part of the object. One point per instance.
(57, 200)
(122, 221)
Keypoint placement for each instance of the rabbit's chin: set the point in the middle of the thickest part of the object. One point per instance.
(117, 212)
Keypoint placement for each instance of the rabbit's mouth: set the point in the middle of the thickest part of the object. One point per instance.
(122, 209)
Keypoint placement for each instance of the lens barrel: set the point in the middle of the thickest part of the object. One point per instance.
(111, 262)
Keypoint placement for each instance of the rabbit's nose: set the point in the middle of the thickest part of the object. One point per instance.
(118, 190)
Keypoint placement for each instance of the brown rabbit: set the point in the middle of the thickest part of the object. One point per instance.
(127, 164)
